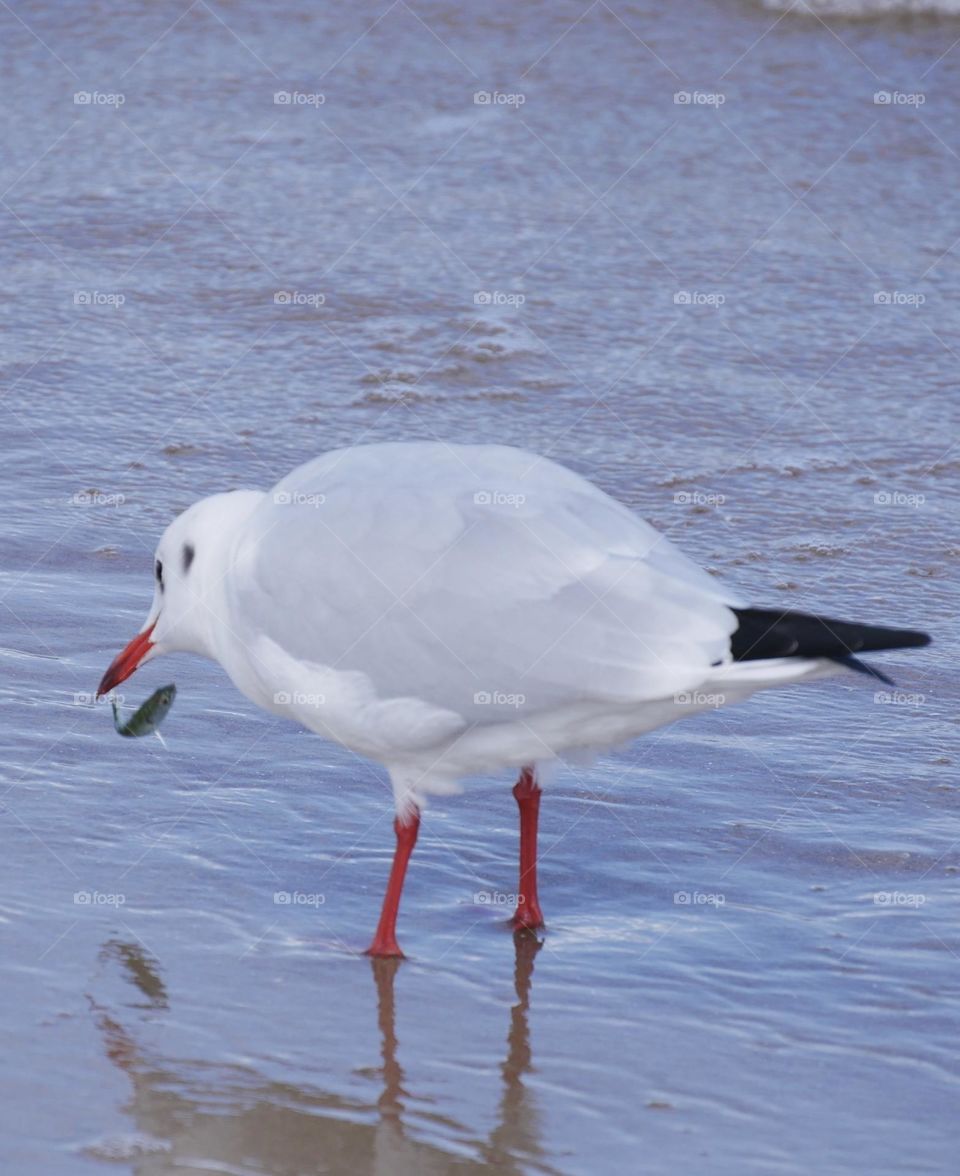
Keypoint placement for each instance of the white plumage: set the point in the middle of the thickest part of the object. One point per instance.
(450, 610)
(457, 609)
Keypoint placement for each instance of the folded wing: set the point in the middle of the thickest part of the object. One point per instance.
(478, 579)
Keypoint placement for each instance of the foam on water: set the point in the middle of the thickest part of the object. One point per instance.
(864, 9)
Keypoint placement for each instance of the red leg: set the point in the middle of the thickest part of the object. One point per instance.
(527, 792)
(385, 938)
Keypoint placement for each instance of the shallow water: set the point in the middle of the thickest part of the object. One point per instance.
(751, 959)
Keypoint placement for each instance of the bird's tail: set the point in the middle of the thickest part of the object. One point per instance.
(769, 632)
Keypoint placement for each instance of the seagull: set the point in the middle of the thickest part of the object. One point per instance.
(452, 610)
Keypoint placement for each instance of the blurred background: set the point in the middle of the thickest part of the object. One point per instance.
(705, 253)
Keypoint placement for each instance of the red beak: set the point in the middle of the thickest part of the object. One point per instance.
(127, 661)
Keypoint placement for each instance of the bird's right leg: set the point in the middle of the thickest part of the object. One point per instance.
(527, 794)
(385, 938)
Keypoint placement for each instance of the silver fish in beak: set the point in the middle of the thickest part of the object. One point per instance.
(146, 718)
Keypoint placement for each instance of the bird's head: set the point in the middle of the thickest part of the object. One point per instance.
(189, 566)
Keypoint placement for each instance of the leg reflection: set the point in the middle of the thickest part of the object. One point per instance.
(384, 971)
(517, 1134)
(516, 1138)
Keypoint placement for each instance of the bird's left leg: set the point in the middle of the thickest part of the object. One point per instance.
(527, 793)
(406, 828)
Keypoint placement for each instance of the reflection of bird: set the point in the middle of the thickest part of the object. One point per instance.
(517, 1131)
(451, 610)
(201, 1117)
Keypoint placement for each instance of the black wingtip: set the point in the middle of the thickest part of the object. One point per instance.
(766, 633)
(853, 663)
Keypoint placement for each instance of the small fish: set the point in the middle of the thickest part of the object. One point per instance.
(147, 718)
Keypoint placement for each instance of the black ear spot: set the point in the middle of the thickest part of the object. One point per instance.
(188, 554)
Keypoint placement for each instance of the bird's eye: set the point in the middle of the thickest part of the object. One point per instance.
(188, 554)
(159, 571)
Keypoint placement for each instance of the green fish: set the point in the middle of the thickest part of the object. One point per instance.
(147, 718)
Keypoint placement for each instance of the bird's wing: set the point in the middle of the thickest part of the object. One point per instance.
(479, 579)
